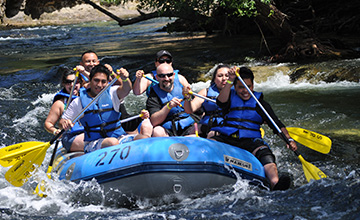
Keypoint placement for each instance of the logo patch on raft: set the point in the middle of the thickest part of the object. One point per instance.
(238, 162)
(179, 152)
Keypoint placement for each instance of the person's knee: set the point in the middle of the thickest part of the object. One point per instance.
(210, 135)
(265, 156)
(109, 142)
(146, 128)
(78, 143)
(159, 132)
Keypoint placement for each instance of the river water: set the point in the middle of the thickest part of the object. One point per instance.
(30, 59)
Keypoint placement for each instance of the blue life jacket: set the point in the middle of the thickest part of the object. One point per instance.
(153, 84)
(177, 118)
(77, 128)
(242, 121)
(63, 94)
(100, 120)
(213, 113)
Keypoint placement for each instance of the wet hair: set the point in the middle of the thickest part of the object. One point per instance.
(245, 73)
(215, 71)
(100, 69)
(88, 51)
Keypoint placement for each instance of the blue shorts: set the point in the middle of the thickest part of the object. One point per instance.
(68, 138)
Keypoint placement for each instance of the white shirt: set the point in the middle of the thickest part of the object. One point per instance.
(75, 106)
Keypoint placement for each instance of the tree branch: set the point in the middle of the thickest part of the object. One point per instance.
(111, 15)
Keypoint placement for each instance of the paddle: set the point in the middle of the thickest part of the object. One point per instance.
(131, 118)
(196, 129)
(310, 171)
(41, 186)
(21, 171)
(72, 89)
(151, 79)
(203, 97)
(11, 154)
(310, 139)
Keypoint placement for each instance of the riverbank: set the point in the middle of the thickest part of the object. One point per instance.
(78, 14)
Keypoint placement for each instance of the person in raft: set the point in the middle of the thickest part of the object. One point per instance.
(102, 120)
(165, 103)
(213, 115)
(242, 120)
(72, 140)
(89, 60)
(143, 84)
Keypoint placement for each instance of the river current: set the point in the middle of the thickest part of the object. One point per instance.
(30, 59)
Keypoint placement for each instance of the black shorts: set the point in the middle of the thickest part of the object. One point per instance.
(131, 125)
(249, 144)
(179, 132)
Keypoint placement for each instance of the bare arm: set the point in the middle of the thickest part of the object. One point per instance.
(54, 115)
(82, 70)
(126, 86)
(195, 104)
(71, 112)
(292, 146)
(160, 116)
(183, 81)
(141, 84)
(225, 92)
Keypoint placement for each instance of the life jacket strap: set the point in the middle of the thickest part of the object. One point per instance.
(99, 110)
(225, 124)
(241, 120)
(242, 108)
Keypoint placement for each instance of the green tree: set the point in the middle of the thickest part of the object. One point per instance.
(297, 37)
(303, 28)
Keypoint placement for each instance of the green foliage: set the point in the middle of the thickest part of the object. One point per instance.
(202, 7)
(203, 15)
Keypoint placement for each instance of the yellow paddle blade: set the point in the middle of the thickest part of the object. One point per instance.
(310, 139)
(18, 174)
(311, 171)
(262, 132)
(40, 188)
(11, 154)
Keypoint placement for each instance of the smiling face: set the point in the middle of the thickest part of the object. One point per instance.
(97, 83)
(165, 75)
(69, 82)
(89, 60)
(242, 91)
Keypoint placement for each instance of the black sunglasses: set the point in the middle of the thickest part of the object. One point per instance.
(168, 60)
(68, 81)
(165, 74)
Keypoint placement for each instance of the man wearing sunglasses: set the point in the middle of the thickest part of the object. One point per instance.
(165, 103)
(142, 84)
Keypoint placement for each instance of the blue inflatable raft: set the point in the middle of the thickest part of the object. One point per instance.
(154, 167)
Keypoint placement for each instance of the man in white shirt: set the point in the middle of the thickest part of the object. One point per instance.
(102, 120)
